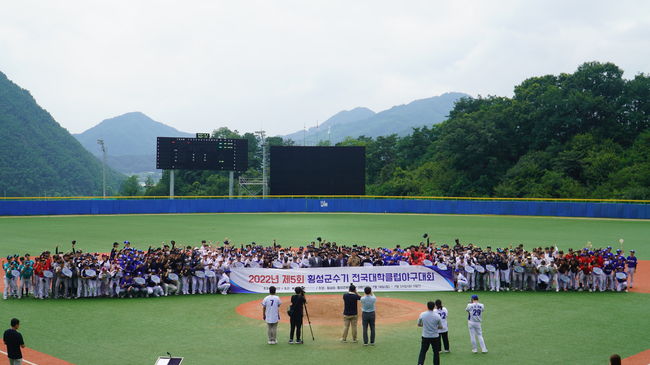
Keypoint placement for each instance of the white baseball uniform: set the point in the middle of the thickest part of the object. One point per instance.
(474, 318)
(272, 313)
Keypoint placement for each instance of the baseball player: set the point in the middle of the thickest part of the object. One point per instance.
(444, 331)
(461, 281)
(620, 267)
(224, 283)
(26, 275)
(8, 267)
(271, 314)
(631, 268)
(504, 271)
(474, 317)
(530, 275)
(518, 274)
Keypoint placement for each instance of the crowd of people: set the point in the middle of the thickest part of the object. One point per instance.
(203, 269)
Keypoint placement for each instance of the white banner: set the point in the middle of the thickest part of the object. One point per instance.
(334, 279)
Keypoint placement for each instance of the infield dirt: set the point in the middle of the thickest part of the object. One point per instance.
(327, 310)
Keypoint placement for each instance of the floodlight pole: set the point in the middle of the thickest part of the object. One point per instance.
(100, 142)
(171, 184)
(265, 187)
(231, 182)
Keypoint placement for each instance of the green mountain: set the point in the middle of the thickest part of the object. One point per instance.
(400, 120)
(37, 156)
(130, 141)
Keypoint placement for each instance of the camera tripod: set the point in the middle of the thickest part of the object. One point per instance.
(309, 322)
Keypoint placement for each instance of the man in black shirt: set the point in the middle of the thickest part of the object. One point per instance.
(14, 341)
(350, 313)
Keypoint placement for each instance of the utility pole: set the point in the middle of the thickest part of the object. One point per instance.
(171, 184)
(265, 185)
(100, 142)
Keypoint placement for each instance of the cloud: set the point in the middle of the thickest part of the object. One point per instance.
(282, 64)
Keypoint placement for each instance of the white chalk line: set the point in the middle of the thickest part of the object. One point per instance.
(25, 361)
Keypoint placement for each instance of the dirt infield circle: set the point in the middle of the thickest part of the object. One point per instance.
(327, 310)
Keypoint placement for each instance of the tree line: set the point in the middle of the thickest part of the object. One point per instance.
(580, 135)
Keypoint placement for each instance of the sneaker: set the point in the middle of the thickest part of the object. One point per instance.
(475, 351)
(445, 351)
(485, 352)
(372, 344)
(365, 344)
(291, 342)
(343, 340)
(270, 342)
(354, 341)
(299, 342)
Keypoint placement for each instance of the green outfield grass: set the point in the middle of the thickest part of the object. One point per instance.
(521, 328)
(96, 233)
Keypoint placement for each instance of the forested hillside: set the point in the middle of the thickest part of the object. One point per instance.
(37, 156)
(579, 135)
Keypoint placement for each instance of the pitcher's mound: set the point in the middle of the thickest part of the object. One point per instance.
(328, 310)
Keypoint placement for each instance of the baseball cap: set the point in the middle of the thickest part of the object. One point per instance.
(632, 251)
(474, 297)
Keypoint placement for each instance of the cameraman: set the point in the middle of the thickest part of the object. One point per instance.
(298, 301)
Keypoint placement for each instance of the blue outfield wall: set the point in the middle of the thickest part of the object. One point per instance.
(530, 208)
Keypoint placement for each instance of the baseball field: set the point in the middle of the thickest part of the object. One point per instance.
(522, 328)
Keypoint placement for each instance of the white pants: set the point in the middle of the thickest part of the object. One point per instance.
(212, 285)
(518, 280)
(530, 280)
(197, 285)
(155, 290)
(185, 285)
(9, 288)
(505, 276)
(81, 284)
(461, 285)
(630, 276)
(495, 284)
(561, 284)
(475, 332)
(224, 288)
(170, 289)
(42, 287)
(471, 279)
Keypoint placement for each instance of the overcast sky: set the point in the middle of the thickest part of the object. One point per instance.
(278, 65)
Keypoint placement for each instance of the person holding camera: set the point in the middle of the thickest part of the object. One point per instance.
(295, 312)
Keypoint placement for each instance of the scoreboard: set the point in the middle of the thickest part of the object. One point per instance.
(299, 170)
(202, 154)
